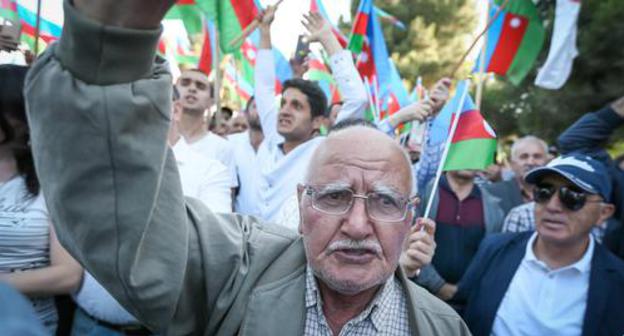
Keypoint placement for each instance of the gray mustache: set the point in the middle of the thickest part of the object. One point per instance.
(350, 244)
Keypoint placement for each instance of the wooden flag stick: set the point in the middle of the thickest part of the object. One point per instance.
(436, 181)
(474, 43)
(249, 29)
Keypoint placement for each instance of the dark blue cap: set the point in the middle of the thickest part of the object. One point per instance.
(581, 170)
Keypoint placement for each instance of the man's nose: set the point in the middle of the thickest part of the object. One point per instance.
(357, 224)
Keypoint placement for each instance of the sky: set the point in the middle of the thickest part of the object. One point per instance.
(287, 25)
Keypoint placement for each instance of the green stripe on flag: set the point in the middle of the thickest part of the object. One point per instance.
(8, 14)
(229, 27)
(470, 154)
(355, 43)
(528, 52)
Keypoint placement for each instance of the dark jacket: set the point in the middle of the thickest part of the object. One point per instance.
(485, 283)
(588, 135)
(508, 192)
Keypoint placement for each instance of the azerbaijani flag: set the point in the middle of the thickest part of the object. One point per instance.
(360, 26)
(514, 40)
(473, 145)
(231, 17)
(397, 95)
(233, 78)
(368, 42)
(50, 23)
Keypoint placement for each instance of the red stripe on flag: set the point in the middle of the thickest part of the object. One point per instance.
(185, 2)
(471, 125)
(360, 24)
(246, 11)
(366, 63)
(205, 60)
(30, 31)
(511, 36)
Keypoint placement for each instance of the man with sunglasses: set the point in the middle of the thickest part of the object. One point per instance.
(557, 280)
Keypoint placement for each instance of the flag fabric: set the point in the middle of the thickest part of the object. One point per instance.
(418, 92)
(231, 18)
(397, 95)
(317, 6)
(319, 72)
(209, 48)
(558, 67)
(473, 144)
(385, 16)
(232, 78)
(8, 10)
(360, 26)
(368, 43)
(514, 40)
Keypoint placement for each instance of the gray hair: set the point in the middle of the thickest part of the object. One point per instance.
(527, 139)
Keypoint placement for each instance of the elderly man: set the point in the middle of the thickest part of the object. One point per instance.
(180, 268)
(526, 153)
(558, 280)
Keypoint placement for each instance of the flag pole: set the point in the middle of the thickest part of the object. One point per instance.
(481, 84)
(446, 149)
(217, 86)
(37, 27)
(474, 43)
(249, 29)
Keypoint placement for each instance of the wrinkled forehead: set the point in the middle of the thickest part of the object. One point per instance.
(361, 158)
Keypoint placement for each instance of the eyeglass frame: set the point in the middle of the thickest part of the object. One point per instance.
(560, 191)
(310, 190)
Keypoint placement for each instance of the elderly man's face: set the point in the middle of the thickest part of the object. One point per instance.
(559, 225)
(375, 164)
(528, 156)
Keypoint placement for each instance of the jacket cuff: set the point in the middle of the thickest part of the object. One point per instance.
(100, 54)
(608, 115)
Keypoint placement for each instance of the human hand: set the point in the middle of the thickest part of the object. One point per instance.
(318, 29)
(447, 292)
(299, 67)
(136, 14)
(416, 111)
(266, 17)
(420, 247)
(439, 95)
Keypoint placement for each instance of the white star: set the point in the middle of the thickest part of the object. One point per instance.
(515, 22)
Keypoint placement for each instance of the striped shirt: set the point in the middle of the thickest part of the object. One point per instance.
(24, 239)
(386, 315)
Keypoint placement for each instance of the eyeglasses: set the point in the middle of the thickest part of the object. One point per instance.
(571, 199)
(379, 206)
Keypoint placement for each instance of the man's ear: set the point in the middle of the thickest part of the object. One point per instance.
(606, 211)
(317, 122)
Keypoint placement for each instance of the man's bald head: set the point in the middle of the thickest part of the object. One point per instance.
(361, 145)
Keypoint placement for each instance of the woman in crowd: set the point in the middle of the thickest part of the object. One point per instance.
(31, 257)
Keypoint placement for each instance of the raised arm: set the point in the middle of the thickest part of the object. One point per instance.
(98, 104)
(589, 133)
(264, 91)
(343, 70)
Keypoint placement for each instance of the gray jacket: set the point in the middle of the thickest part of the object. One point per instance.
(493, 216)
(99, 105)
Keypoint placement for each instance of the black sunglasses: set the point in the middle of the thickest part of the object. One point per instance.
(571, 198)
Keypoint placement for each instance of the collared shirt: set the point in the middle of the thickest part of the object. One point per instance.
(246, 161)
(217, 148)
(542, 301)
(466, 213)
(203, 178)
(280, 173)
(522, 219)
(385, 315)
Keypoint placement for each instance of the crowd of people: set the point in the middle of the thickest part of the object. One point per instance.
(159, 218)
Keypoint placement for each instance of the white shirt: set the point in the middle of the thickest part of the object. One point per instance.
(206, 179)
(245, 159)
(541, 301)
(214, 147)
(97, 302)
(279, 173)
